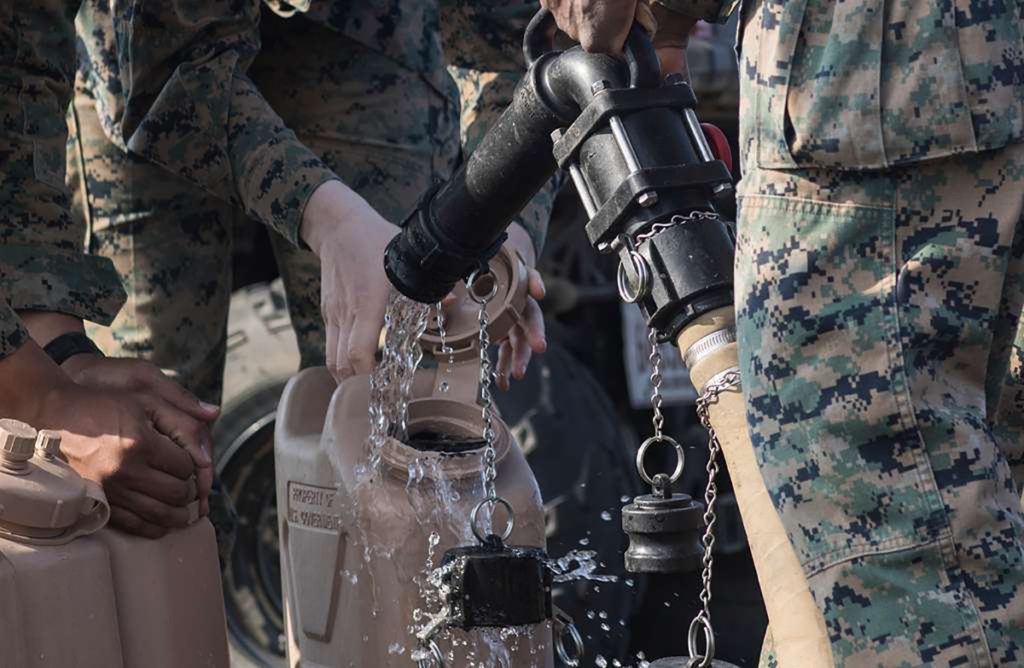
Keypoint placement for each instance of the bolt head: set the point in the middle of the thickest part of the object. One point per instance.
(647, 199)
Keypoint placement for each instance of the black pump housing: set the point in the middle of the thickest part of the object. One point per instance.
(636, 153)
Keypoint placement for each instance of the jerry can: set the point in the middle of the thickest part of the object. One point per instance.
(75, 593)
(358, 550)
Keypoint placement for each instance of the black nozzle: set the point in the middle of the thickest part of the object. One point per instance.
(424, 264)
(458, 227)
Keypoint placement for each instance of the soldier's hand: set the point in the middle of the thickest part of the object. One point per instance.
(112, 437)
(349, 237)
(527, 337)
(600, 26)
(176, 412)
(671, 40)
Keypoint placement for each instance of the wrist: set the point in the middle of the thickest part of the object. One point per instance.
(45, 326)
(330, 209)
(29, 381)
(712, 11)
(73, 352)
(673, 29)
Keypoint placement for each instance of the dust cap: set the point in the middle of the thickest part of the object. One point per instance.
(17, 442)
(48, 443)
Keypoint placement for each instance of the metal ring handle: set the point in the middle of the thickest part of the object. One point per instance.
(538, 38)
(699, 622)
(571, 660)
(475, 517)
(478, 275)
(639, 53)
(435, 660)
(642, 453)
(643, 278)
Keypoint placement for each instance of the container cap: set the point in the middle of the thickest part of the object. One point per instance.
(504, 310)
(17, 441)
(48, 442)
(43, 501)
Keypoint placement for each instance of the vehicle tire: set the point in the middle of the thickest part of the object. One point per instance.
(262, 356)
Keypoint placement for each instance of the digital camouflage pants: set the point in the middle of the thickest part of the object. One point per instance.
(880, 330)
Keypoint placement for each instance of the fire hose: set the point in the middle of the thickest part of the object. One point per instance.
(656, 195)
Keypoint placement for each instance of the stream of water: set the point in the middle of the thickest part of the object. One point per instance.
(391, 381)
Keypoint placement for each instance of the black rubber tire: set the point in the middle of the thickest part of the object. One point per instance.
(244, 457)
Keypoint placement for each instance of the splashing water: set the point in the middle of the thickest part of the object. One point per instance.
(391, 382)
(578, 565)
(433, 497)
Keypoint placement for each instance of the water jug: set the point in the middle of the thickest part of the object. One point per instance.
(78, 593)
(357, 546)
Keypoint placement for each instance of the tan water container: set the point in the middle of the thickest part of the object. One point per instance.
(78, 594)
(354, 551)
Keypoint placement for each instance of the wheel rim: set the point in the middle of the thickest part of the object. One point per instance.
(252, 576)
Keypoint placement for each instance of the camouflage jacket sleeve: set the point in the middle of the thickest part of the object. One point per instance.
(42, 266)
(189, 106)
(483, 46)
(12, 333)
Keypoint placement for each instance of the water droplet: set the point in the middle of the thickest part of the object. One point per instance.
(606, 516)
(625, 498)
(605, 627)
(444, 386)
(591, 614)
(584, 541)
(630, 582)
(600, 661)
(603, 614)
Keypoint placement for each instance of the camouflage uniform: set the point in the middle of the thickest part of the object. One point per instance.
(41, 262)
(880, 288)
(362, 85)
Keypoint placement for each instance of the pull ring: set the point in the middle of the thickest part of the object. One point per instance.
(474, 519)
(641, 454)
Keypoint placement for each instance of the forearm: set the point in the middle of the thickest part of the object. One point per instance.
(27, 378)
(332, 208)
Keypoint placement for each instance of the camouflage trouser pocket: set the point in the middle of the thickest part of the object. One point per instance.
(873, 314)
(824, 380)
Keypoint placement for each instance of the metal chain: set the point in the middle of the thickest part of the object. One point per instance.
(634, 289)
(658, 228)
(718, 385)
(486, 375)
(656, 399)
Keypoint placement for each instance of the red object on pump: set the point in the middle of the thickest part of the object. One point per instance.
(719, 144)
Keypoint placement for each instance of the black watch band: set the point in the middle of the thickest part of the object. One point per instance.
(69, 345)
